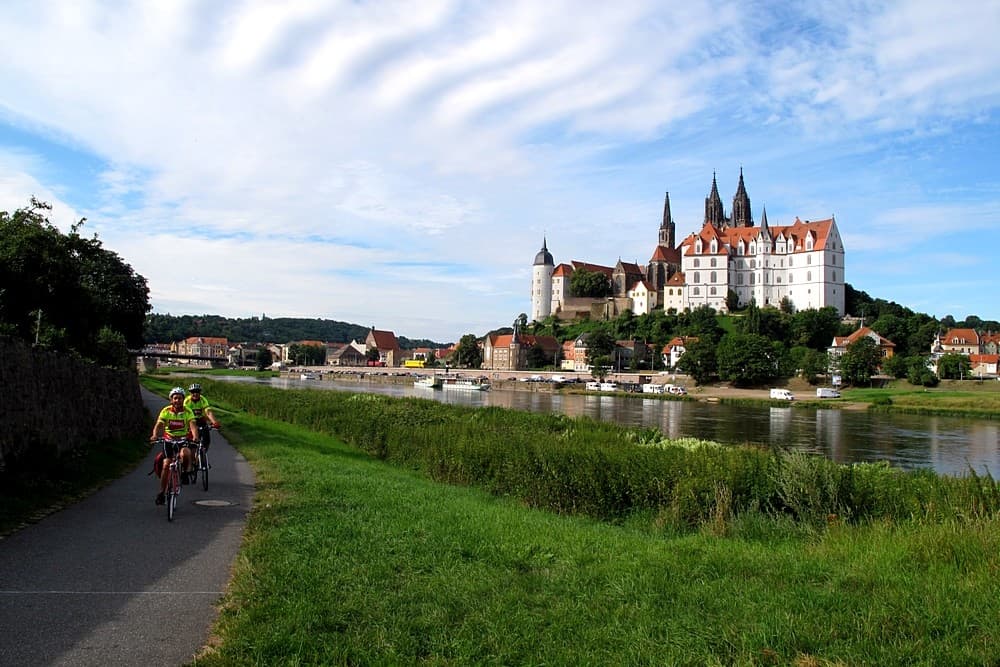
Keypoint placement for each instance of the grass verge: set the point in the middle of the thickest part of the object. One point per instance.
(349, 560)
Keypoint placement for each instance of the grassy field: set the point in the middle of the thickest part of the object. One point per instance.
(350, 560)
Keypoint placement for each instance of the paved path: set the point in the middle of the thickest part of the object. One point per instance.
(109, 581)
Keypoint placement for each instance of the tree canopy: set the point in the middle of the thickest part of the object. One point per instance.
(592, 284)
(65, 291)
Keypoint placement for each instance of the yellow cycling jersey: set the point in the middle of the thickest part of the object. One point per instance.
(175, 424)
(197, 407)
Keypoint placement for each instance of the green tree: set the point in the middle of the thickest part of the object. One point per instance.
(953, 367)
(920, 374)
(699, 361)
(746, 359)
(860, 361)
(897, 366)
(786, 306)
(592, 284)
(66, 291)
(264, 359)
(732, 301)
(814, 328)
(467, 352)
(537, 357)
(811, 363)
(308, 355)
(599, 344)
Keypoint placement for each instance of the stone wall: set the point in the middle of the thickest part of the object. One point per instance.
(52, 403)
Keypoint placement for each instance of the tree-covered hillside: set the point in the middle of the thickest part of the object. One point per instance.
(168, 328)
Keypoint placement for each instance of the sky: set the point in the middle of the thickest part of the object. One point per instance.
(399, 164)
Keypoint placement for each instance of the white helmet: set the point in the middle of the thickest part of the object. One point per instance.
(176, 390)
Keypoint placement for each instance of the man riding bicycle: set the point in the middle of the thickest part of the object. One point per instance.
(203, 414)
(176, 424)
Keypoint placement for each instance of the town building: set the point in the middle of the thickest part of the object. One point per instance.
(840, 344)
(803, 263)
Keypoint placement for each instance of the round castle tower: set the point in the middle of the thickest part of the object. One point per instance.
(541, 284)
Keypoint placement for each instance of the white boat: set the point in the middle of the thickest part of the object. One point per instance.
(429, 381)
(309, 375)
(465, 384)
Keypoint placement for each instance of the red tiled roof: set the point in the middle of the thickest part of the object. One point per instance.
(963, 336)
(384, 340)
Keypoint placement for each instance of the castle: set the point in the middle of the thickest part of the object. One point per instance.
(803, 262)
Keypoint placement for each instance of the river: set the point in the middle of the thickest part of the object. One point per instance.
(947, 445)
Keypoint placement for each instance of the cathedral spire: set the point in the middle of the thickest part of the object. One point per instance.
(741, 206)
(714, 212)
(667, 226)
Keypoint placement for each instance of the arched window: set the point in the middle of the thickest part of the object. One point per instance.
(740, 248)
(712, 261)
(834, 276)
(715, 246)
(809, 276)
(809, 259)
(697, 246)
(752, 279)
(753, 249)
(697, 262)
(739, 279)
(711, 277)
(711, 290)
(697, 277)
(696, 291)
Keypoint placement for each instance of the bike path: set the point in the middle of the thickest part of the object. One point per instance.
(110, 581)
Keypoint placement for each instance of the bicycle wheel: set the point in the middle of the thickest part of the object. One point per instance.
(203, 465)
(173, 492)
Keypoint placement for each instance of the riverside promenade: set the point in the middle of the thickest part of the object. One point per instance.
(108, 581)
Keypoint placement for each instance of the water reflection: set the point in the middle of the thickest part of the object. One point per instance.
(947, 445)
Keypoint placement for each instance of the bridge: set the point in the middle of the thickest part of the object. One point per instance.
(145, 358)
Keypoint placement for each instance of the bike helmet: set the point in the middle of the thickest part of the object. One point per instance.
(195, 388)
(176, 390)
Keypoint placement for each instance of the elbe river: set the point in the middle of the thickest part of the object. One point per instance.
(947, 445)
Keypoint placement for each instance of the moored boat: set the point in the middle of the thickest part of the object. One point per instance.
(464, 383)
(429, 382)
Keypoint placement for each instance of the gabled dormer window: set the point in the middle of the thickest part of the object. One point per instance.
(809, 242)
(741, 248)
(753, 249)
(697, 246)
(714, 247)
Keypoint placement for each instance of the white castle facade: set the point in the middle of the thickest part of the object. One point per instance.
(803, 262)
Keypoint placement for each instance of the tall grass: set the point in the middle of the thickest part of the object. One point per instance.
(580, 466)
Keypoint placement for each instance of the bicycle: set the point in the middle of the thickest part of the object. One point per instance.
(201, 464)
(172, 450)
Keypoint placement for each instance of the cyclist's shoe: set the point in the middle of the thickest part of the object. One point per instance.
(160, 498)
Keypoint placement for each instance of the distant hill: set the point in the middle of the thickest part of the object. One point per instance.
(168, 328)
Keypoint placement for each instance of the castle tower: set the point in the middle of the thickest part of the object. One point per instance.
(714, 212)
(667, 226)
(741, 206)
(541, 284)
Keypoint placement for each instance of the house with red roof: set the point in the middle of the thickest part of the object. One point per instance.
(957, 341)
(840, 344)
(509, 352)
(389, 352)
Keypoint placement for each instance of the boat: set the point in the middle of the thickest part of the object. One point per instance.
(464, 383)
(429, 382)
(309, 375)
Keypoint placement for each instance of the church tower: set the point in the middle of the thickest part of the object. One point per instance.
(541, 284)
(667, 226)
(714, 213)
(741, 206)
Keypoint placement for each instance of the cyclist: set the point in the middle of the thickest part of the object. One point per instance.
(202, 413)
(175, 423)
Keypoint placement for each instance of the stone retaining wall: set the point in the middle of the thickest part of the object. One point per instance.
(52, 403)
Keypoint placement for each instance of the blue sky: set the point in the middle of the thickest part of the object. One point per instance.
(397, 164)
